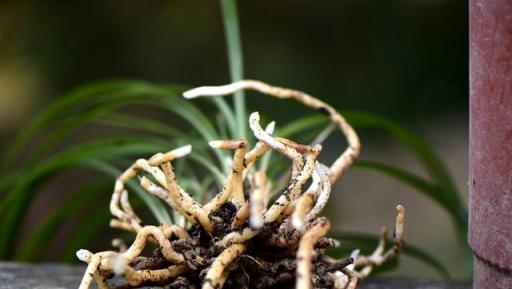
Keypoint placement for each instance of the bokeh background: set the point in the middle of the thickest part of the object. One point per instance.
(404, 59)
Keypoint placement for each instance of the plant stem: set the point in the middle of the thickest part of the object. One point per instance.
(232, 32)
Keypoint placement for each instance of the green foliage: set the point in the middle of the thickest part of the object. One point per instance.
(63, 147)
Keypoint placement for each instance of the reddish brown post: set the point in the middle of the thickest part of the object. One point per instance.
(490, 155)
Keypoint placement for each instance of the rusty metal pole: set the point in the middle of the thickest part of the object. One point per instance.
(490, 150)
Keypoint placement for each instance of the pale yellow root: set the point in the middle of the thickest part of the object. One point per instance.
(279, 206)
(160, 193)
(342, 162)
(324, 195)
(128, 216)
(237, 237)
(234, 182)
(101, 281)
(95, 261)
(305, 253)
(259, 149)
(347, 278)
(192, 209)
(379, 257)
(136, 277)
(115, 223)
(174, 230)
(241, 216)
(258, 198)
(288, 151)
(120, 195)
(375, 258)
(92, 267)
(158, 235)
(214, 277)
(125, 203)
(352, 278)
(292, 192)
(119, 244)
(305, 202)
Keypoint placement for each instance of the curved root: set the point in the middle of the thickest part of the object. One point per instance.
(231, 241)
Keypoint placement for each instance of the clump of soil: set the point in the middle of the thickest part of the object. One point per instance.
(260, 267)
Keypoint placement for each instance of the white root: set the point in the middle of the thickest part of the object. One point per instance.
(234, 182)
(292, 191)
(259, 149)
(295, 216)
(136, 277)
(305, 202)
(379, 256)
(120, 195)
(258, 198)
(241, 216)
(342, 162)
(192, 209)
(323, 197)
(158, 235)
(159, 192)
(214, 276)
(279, 206)
(269, 140)
(305, 253)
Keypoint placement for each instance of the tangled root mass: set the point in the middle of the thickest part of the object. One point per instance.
(231, 242)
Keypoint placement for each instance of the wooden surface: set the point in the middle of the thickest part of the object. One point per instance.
(45, 276)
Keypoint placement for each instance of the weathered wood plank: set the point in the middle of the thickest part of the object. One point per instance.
(57, 276)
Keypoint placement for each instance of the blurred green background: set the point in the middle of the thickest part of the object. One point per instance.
(406, 60)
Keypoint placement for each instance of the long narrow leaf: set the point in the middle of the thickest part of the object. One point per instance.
(21, 196)
(236, 67)
(431, 161)
(63, 105)
(432, 191)
(36, 243)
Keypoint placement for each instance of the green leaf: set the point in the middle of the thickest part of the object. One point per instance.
(300, 125)
(236, 66)
(20, 197)
(427, 156)
(88, 229)
(442, 188)
(38, 240)
(226, 111)
(66, 104)
(432, 191)
(367, 243)
(138, 123)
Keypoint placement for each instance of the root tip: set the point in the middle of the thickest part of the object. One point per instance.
(215, 143)
(83, 255)
(256, 222)
(182, 151)
(118, 264)
(297, 223)
(192, 93)
(270, 127)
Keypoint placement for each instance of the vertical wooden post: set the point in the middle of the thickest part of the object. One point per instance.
(490, 155)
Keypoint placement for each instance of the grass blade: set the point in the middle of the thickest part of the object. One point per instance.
(36, 243)
(234, 46)
(66, 104)
(428, 157)
(432, 191)
(22, 194)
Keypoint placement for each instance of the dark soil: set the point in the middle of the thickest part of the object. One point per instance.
(260, 267)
